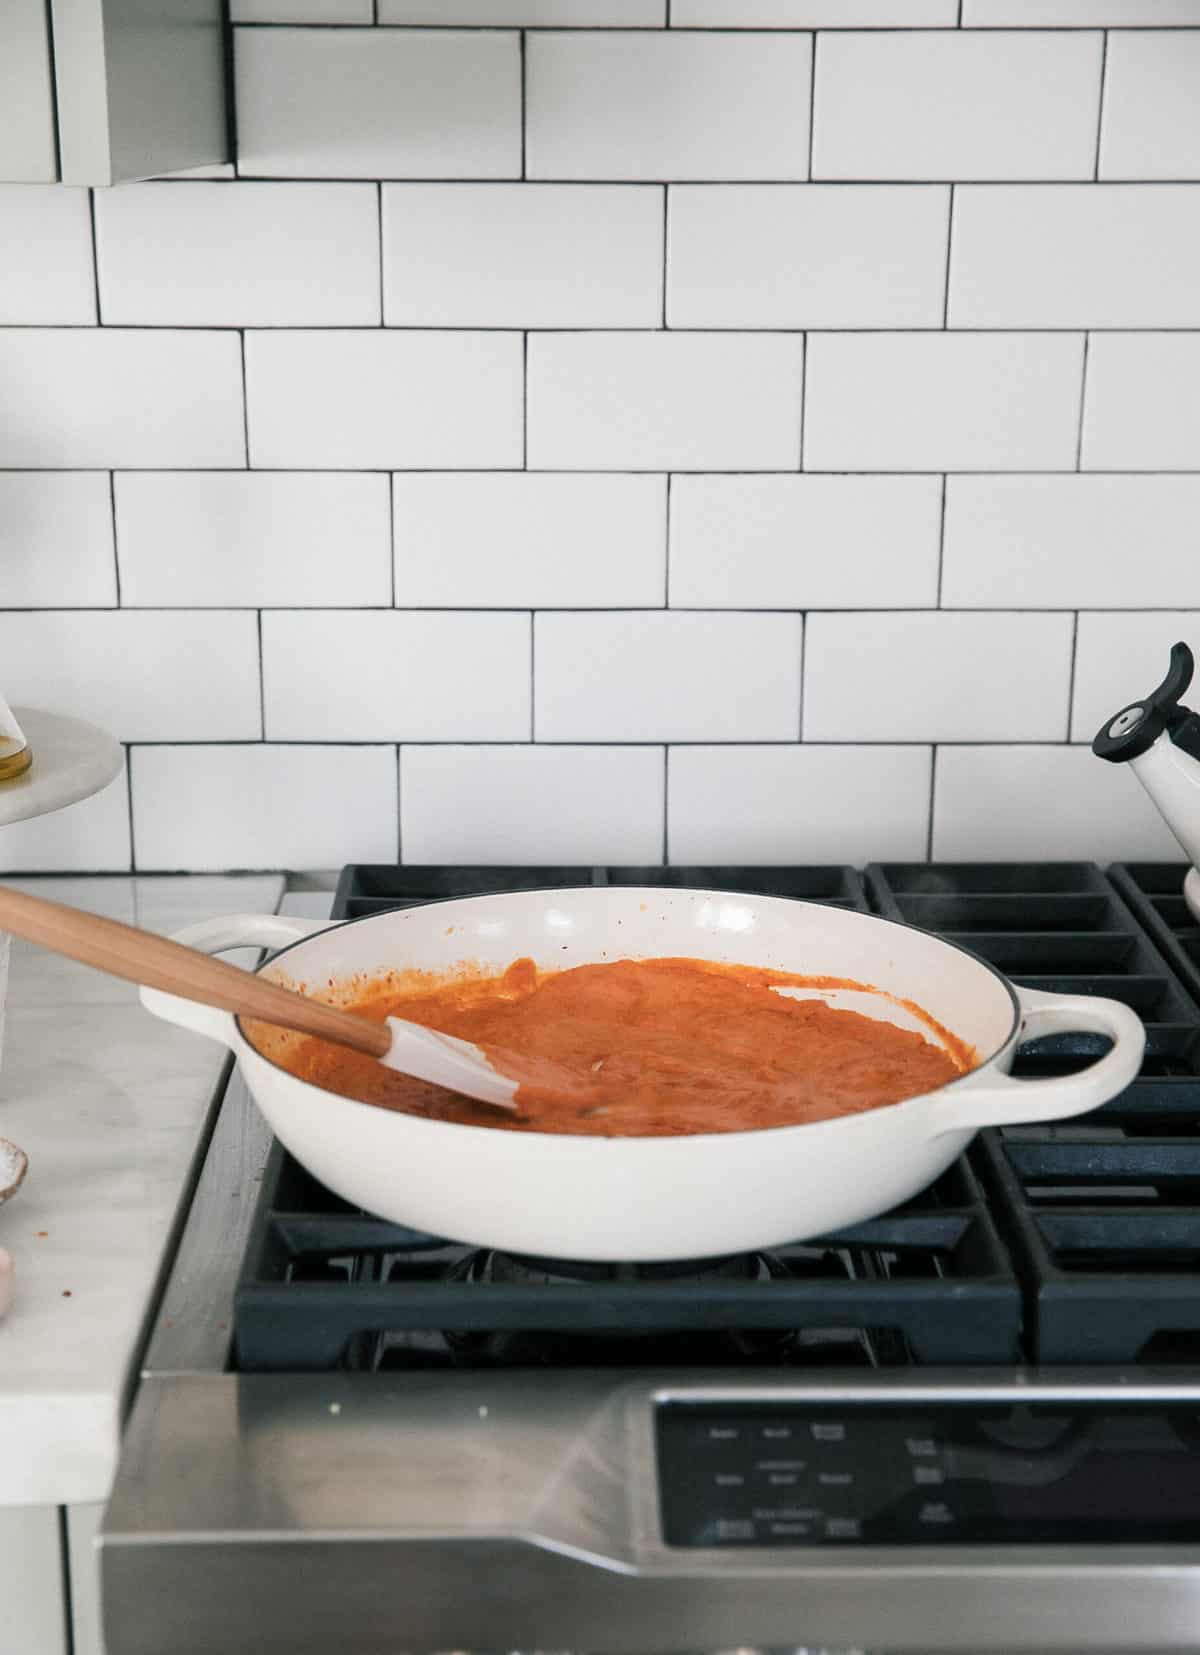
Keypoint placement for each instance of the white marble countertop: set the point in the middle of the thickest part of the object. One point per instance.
(71, 760)
(108, 1102)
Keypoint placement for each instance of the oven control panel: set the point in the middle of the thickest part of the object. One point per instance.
(945, 1473)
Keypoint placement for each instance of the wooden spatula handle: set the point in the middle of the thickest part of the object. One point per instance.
(156, 962)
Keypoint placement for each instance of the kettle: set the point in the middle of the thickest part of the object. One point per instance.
(1160, 741)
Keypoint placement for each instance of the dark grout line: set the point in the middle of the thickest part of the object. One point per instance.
(803, 400)
(666, 603)
(532, 677)
(933, 758)
(1071, 678)
(666, 258)
(524, 102)
(1100, 105)
(666, 829)
(1082, 405)
(383, 322)
(245, 399)
(95, 257)
(812, 103)
(262, 687)
(949, 249)
(112, 502)
(129, 746)
(525, 401)
(942, 540)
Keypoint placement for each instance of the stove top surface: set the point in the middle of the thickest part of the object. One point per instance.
(1074, 1243)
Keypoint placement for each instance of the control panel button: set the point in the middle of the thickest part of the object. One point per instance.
(843, 1528)
(928, 1474)
(827, 1431)
(729, 1479)
(776, 1433)
(733, 1528)
(836, 1479)
(936, 1513)
(921, 1447)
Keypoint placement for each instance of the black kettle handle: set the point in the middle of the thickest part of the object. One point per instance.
(1135, 729)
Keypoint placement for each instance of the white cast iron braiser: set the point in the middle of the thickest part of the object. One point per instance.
(658, 1198)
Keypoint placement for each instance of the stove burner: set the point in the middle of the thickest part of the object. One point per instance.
(493, 1266)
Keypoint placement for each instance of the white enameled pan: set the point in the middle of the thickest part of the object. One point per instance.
(659, 1198)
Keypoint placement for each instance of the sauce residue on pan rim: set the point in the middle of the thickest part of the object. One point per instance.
(658, 1047)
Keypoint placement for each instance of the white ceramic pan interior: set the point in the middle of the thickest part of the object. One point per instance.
(658, 1198)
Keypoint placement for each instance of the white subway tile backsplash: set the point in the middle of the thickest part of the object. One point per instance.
(557, 14)
(948, 104)
(530, 540)
(166, 676)
(1142, 407)
(936, 677)
(262, 806)
(56, 541)
(797, 804)
(942, 401)
(239, 254)
(395, 676)
(666, 676)
(555, 255)
(742, 255)
(90, 397)
(1061, 803)
(664, 401)
(667, 105)
(378, 103)
(1076, 256)
(358, 400)
(814, 14)
(531, 804)
(1151, 125)
(1049, 14)
(1071, 542)
(89, 837)
(301, 11)
(46, 272)
(227, 539)
(1118, 657)
(805, 542)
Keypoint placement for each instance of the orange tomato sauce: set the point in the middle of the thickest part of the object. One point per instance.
(641, 1048)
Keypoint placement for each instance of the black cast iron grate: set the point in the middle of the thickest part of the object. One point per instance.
(325, 1285)
(1103, 1210)
(1154, 891)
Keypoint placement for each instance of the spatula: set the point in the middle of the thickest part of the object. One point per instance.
(156, 962)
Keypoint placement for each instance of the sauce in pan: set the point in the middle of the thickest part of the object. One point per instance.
(643, 1048)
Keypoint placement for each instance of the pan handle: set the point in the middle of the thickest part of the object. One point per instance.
(214, 936)
(991, 1098)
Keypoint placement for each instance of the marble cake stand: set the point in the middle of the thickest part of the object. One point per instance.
(72, 759)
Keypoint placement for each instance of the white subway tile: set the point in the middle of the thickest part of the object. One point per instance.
(813, 14)
(937, 677)
(556, 255)
(531, 804)
(1071, 542)
(955, 105)
(238, 255)
(664, 401)
(301, 11)
(529, 540)
(666, 676)
(1119, 658)
(378, 103)
(253, 538)
(557, 14)
(261, 806)
(942, 402)
(46, 272)
(357, 400)
(164, 676)
(797, 804)
(56, 540)
(658, 106)
(1061, 803)
(91, 836)
(742, 256)
(92, 397)
(1090, 255)
(806, 542)
(1141, 409)
(1151, 126)
(332, 675)
(1049, 14)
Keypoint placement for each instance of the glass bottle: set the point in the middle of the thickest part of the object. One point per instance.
(15, 753)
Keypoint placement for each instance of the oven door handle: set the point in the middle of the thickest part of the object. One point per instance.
(213, 936)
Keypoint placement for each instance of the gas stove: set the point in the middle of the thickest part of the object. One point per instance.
(971, 1423)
